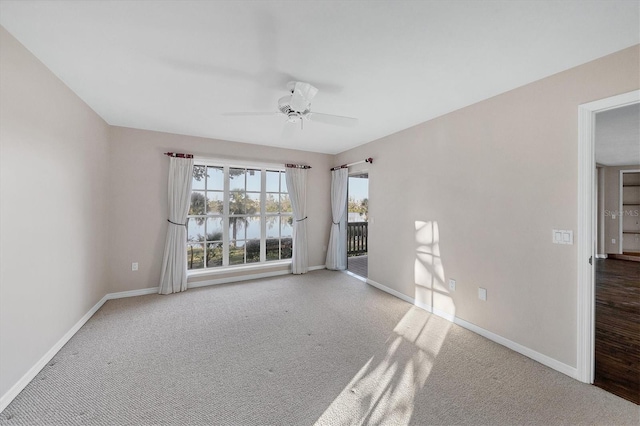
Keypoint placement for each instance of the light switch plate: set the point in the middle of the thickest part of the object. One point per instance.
(557, 236)
(482, 293)
(567, 237)
(562, 236)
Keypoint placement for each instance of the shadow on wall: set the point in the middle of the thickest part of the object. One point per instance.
(430, 293)
(385, 389)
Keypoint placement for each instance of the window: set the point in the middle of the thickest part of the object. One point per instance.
(238, 215)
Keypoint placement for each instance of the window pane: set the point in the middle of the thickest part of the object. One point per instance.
(215, 202)
(214, 229)
(253, 251)
(285, 203)
(252, 203)
(286, 227)
(236, 202)
(244, 224)
(214, 254)
(236, 179)
(237, 228)
(197, 203)
(285, 248)
(253, 227)
(273, 181)
(215, 178)
(273, 226)
(236, 252)
(272, 203)
(195, 253)
(198, 177)
(253, 180)
(195, 229)
(273, 249)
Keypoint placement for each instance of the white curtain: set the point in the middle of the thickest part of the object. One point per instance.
(297, 187)
(174, 264)
(337, 251)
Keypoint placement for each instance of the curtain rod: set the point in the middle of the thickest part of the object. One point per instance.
(344, 166)
(297, 166)
(178, 155)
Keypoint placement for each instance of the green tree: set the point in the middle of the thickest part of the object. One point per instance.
(240, 203)
(198, 203)
(197, 207)
(353, 206)
(273, 205)
(199, 172)
(364, 208)
(359, 206)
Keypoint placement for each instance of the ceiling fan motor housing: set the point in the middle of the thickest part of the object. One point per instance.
(284, 105)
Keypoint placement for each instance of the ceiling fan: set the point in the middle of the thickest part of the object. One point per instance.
(297, 108)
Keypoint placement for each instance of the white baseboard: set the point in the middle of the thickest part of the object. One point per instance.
(132, 293)
(33, 372)
(6, 399)
(391, 291)
(601, 256)
(528, 352)
(357, 277)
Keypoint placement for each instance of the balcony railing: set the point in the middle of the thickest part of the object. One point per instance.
(357, 238)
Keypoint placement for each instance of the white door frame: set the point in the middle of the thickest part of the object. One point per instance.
(586, 226)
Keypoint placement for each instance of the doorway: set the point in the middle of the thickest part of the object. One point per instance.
(609, 342)
(358, 224)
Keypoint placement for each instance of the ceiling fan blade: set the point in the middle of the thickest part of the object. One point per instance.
(303, 93)
(336, 120)
(249, 114)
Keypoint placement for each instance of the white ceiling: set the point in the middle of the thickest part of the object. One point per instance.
(176, 66)
(617, 136)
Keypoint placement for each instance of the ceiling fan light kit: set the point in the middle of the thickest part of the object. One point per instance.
(297, 107)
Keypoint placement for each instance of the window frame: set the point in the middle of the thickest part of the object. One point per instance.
(226, 165)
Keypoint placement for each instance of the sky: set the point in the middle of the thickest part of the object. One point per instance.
(358, 188)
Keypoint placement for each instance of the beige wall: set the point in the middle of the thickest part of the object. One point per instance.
(473, 195)
(138, 198)
(81, 200)
(611, 207)
(53, 210)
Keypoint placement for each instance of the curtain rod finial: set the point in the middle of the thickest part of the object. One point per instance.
(369, 160)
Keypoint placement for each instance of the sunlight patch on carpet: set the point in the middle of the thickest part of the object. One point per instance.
(384, 389)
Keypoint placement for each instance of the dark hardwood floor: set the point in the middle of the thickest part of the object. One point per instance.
(617, 328)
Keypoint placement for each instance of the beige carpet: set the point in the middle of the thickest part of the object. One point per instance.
(323, 348)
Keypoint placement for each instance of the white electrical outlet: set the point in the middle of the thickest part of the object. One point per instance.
(482, 293)
(134, 266)
(613, 241)
(452, 285)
